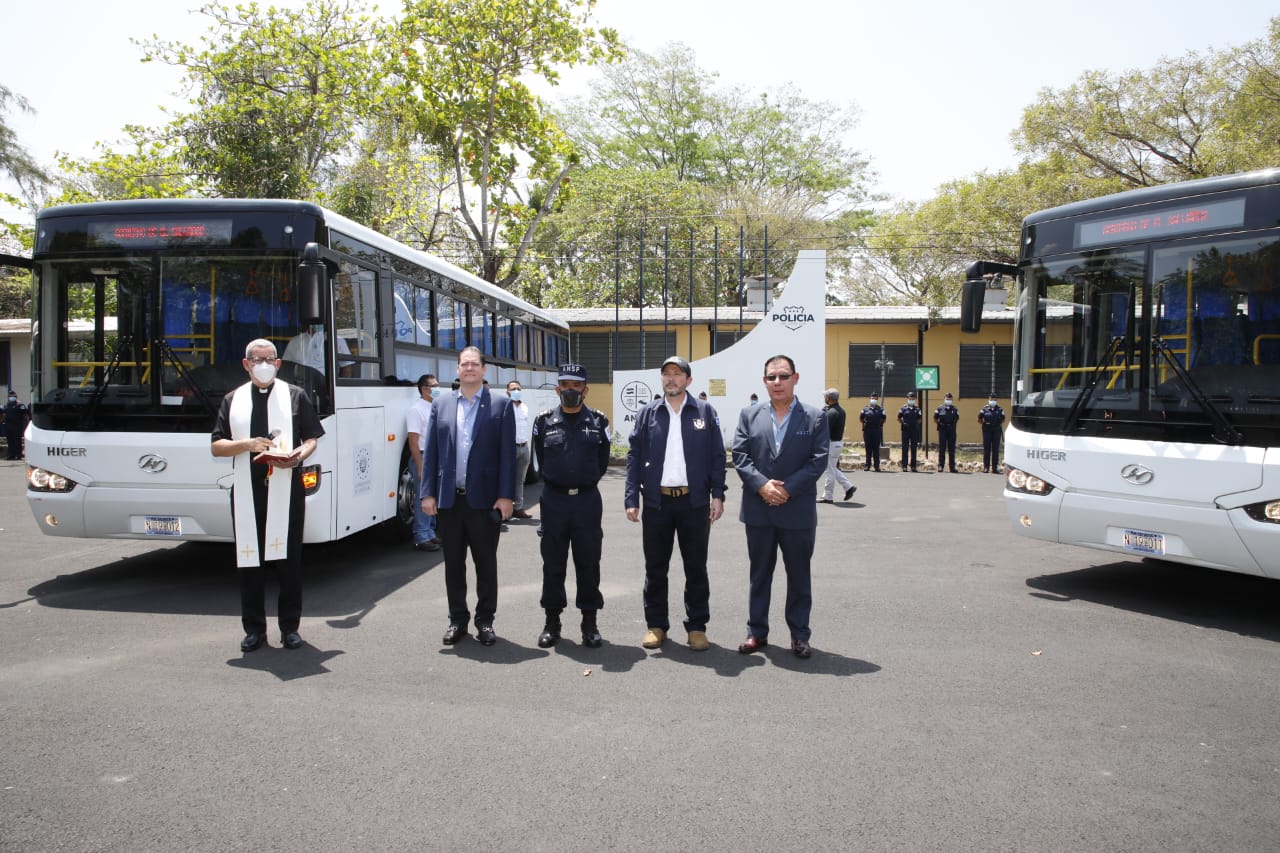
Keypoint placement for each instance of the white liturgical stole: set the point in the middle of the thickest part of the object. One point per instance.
(280, 422)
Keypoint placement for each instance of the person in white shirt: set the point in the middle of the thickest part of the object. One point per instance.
(418, 427)
(307, 348)
(523, 448)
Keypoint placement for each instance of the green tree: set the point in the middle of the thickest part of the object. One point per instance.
(278, 96)
(759, 161)
(15, 160)
(463, 66)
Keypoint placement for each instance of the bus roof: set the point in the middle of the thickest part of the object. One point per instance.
(328, 217)
(1162, 192)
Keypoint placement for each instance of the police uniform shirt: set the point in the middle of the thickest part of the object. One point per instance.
(910, 416)
(574, 446)
(991, 416)
(872, 417)
(946, 415)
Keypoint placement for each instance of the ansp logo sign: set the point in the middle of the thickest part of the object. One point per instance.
(634, 395)
(792, 316)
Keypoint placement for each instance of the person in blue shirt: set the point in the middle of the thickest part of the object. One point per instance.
(946, 417)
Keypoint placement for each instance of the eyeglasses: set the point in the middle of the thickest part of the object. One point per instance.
(262, 359)
(778, 377)
(476, 364)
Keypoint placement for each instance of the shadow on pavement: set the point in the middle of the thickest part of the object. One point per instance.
(286, 664)
(1242, 604)
(340, 580)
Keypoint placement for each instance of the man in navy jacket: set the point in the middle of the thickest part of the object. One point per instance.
(469, 484)
(780, 451)
(682, 485)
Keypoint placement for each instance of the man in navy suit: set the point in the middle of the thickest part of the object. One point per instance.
(780, 451)
(469, 484)
(676, 463)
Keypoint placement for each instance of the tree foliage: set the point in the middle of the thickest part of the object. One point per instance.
(694, 158)
(278, 96)
(463, 66)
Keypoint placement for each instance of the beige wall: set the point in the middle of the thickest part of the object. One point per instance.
(941, 347)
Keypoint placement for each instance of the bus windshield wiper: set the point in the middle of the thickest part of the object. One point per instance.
(171, 357)
(1223, 430)
(1086, 394)
(100, 391)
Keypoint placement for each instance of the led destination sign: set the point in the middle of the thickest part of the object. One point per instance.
(208, 232)
(1160, 222)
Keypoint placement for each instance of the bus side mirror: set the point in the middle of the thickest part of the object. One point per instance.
(312, 279)
(972, 297)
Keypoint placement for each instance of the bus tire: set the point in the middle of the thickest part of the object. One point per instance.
(399, 527)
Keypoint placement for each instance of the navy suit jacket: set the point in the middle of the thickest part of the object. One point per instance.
(491, 467)
(802, 460)
(703, 453)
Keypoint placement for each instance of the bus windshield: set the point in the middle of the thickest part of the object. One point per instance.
(156, 337)
(1179, 340)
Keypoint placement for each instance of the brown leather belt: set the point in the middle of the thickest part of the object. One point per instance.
(674, 491)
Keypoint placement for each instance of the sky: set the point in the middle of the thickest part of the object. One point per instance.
(939, 85)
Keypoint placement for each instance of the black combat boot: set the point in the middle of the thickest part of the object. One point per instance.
(551, 632)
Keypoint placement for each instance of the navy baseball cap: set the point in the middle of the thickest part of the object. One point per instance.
(572, 373)
(678, 362)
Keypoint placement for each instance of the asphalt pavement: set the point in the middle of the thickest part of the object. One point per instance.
(969, 690)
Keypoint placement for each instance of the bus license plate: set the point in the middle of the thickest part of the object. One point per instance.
(1143, 542)
(162, 525)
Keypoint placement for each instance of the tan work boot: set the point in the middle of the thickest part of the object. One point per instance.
(698, 641)
(653, 638)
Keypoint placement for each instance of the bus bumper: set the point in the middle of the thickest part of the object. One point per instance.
(103, 512)
(1196, 535)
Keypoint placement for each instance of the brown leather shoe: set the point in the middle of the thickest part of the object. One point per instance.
(752, 644)
(800, 648)
(521, 514)
(698, 641)
(653, 638)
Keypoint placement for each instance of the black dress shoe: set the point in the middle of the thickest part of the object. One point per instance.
(252, 640)
(752, 644)
(454, 633)
(591, 638)
(484, 633)
(800, 648)
(291, 640)
(548, 637)
(429, 545)
(825, 500)
(848, 493)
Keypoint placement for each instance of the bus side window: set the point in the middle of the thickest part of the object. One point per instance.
(355, 293)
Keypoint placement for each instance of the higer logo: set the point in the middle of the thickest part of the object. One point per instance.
(792, 316)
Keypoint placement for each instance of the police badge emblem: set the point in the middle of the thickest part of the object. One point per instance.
(699, 423)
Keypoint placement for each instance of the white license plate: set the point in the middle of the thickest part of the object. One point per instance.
(1143, 542)
(162, 525)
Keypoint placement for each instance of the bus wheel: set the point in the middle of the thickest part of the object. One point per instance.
(400, 528)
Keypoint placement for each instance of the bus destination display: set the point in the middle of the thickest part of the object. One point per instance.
(1160, 222)
(206, 232)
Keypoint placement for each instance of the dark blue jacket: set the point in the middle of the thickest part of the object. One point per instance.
(491, 467)
(703, 453)
(802, 461)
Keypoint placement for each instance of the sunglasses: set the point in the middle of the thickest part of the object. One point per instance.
(778, 377)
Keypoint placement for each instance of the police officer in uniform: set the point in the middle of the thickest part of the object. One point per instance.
(910, 418)
(872, 417)
(991, 417)
(571, 443)
(946, 417)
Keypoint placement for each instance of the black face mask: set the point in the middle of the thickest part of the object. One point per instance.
(570, 398)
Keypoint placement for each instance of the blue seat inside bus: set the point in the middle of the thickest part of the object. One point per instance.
(1218, 331)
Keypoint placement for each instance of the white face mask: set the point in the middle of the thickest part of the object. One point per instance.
(991, 402)
(264, 372)
(874, 401)
(515, 395)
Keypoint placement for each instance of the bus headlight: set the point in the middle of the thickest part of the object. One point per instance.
(40, 480)
(1265, 511)
(1021, 481)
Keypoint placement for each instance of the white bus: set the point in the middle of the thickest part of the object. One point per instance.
(1145, 398)
(142, 313)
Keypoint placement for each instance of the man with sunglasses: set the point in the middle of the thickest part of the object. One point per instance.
(780, 450)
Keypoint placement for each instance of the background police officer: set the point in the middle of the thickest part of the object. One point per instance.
(991, 417)
(910, 418)
(946, 416)
(873, 417)
(572, 446)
